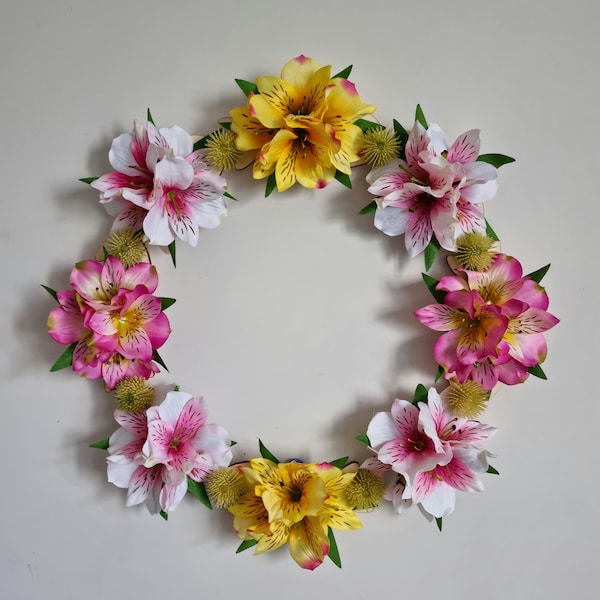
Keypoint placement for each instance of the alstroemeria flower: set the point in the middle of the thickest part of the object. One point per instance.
(295, 503)
(435, 191)
(152, 453)
(161, 185)
(301, 125)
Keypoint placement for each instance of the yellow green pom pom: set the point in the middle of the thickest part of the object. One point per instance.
(379, 146)
(134, 394)
(473, 251)
(225, 486)
(466, 399)
(221, 151)
(365, 491)
(127, 246)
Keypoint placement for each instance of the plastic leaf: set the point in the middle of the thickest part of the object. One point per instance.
(431, 284)
(201, 143)
(150, 119)
(420, 116)
(247, 87)
(343, 74)
(245, 545)
(225, 124)
(164, 515)
(431, 252)
(369, 209)
(271, 182)
(496, 160)
(232, 443)
(334, 553)
(490, 232)
(439, 373)
(266, 453)
(50, 291)
(537, 276)
(198, 490)
(367, 125)
(228, 195)
(491, 470)
(340, 463)
(157, 358)
(173, 253)
(101, 445)
(402, 136)
(88, 179)
(537, 371)
(363, 439)
(343, 179)
(438, 522)
(420, 394)
(65, 359)
(166, 302)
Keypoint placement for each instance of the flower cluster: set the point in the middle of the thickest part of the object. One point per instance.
(112, 320)
(153, 452)
(161, 185)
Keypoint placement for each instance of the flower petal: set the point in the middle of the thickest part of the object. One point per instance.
(309, 543)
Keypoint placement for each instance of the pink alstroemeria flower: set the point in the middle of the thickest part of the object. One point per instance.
(435, 191)
(152, 453)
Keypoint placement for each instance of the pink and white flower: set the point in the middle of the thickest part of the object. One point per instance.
(161, 185)
(435, 191)
(153, 453)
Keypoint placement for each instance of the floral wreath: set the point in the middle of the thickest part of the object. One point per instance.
(308, 128)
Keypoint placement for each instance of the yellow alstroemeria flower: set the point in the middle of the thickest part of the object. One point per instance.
(301, 125)
(295, 503)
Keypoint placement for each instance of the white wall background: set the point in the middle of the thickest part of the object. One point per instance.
(294, 318)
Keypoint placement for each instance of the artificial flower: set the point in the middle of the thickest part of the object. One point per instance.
(301, 125)
(435, 191)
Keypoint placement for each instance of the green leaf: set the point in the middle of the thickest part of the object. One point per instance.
(50, 291)
(232, 443)
(65, 359)
(343, 179)
(367, 125)
(343, 74)
(247, 87)
(265, 452)
(538, 275)
(101, 445)
(402, 137)
(149, 116)
(431, 284)
(105, 254)
(175, 388)
(496, 160)
(245, 545)
(173, 253)
(197, 489)
(490, 232)
(156, 357)
(431, 251)
(420, 116)
(537, 371)
(363, 439)
(164, 515)
(88, 179)
(228, 195)
(439, 373)
(334, 553)
(340, 463)
(201, 143)
(166, 302)
(225, 124)
(420, 394)
(438, 522)
(369, 209)
(491, 470)
(271, 183)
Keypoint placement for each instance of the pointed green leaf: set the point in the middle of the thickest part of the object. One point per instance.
(343, 179)
(369, 209)
(228, 195)
(420, 394)
(65, 359)
(265, 452)
(245, 545)
(496, 160)
(50, 291)
(438, 522)
(537, 371)
(88, 180)
(343, 74)
(164, 515)
(401, 134)
(201, 143)
(166, 302)
(439, 373)
(334, 553)
(105, 254)
(157, 358)
(225, 124)
(490, 232)
(271, 183)
(367, 125)
(175, 388)
(340, 463)
(101, 445)
(538, 275)
(247, 87)
(197, 489)
(431, 251)
(363, 439)
(173, 253)
(420, 116)
(149, 116)
(431, 284)
(491, 470)
(232, 443)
